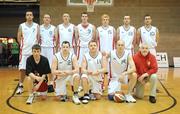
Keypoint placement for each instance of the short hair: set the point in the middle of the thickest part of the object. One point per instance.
(92, 41)
(105, 16)
(84, 13)
(29, 10)
(36, 47)
(65, 42)
(147, 15)
(47, 14)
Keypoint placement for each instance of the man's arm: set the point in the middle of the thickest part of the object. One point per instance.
(138, 37)
(157, 36)
(19, 34)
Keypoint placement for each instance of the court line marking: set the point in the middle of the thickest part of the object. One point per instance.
(174, 100)
(168, 108)
(11, 106)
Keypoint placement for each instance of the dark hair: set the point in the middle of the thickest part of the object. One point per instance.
(29, 10)
(84, 13)
(65, 42)
(147, 15)
(36, 47)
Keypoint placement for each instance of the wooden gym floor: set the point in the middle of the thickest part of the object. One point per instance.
(168, 98)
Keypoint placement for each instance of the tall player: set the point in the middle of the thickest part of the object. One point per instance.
(122, 70)
(93, 68)
(148, 34)
(28, 35)
(66, 68)
(47, 38)
(84, 33)
(106, 35)
(127, 33)
(66, 32)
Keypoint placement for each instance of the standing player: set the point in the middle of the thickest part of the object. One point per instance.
(122, 70)
(66, 32)
(127, 33)
(106, 35)
(47, 38)
(148, 34)
(84, 33)
(37, 70)
(93, 68)
(65, 67)
(28, 34)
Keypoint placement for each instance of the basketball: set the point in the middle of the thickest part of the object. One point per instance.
(119, 97)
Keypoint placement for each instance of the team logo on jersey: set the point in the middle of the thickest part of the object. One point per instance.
(109, 32)
(69, 30)
(148, 63)
(130, 33)
(89, 31)
(123, 61)
(50, 33)
(33, 29)
(69, 62)
(152, 33)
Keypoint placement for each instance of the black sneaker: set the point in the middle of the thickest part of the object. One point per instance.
(152, 99)
(64, 98)
(85, 99)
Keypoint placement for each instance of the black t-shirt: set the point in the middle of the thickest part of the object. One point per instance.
(41, 68)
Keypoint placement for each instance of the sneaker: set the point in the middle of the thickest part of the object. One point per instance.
(130, 99)
(92, 97)
(85, 99)
(19, 90)
(76, 100)
(152, 99)
(64, 98)
(80, 88)
(30, 99)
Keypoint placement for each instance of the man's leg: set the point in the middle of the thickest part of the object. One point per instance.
(153, 85)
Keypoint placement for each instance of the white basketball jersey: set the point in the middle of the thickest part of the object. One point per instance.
(118, 65)
(47, 35)
(149, 37)
(127, 36)
(29, 37)
(93, 64)
(64, 64)
(66, 34)
(106, 38)
(85, 34)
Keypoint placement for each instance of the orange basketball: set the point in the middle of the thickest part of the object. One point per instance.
(119, 97)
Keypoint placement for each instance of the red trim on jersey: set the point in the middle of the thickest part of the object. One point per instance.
(99, 43)
(113, 43)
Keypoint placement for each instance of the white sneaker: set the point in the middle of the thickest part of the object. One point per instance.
(130, 99)
(76, 100)
(80, 88)
(19, 90)
(30, 99)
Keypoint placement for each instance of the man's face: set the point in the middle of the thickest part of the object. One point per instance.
(126, 20)
(66, 17)
(144, 49)
(93, 47)
(29, 16)
(36, 53)
(65, 48)
(84, 17)
(147, 20)
(105, 21)
(120, 45)
(47, 19)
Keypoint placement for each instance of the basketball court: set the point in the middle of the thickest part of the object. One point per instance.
(167, 98)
